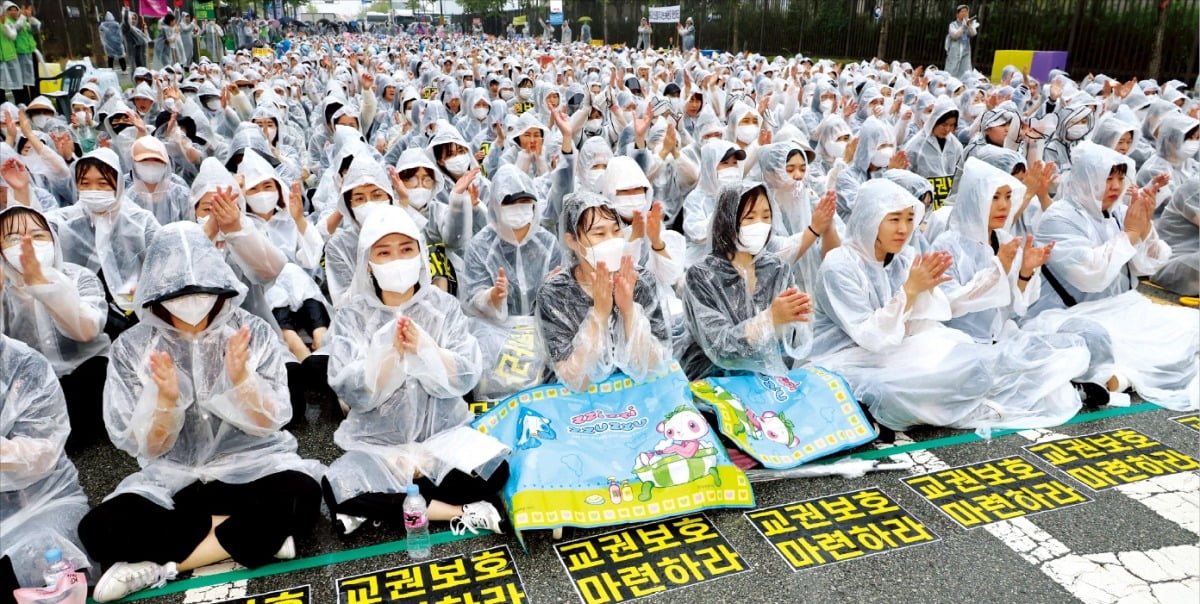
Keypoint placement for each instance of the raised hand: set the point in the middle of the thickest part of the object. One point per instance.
(162, 372)
(296, 203)
(624, 282)
(237, 352)
(464, 182)
(791, 305)
(899, 161)
(499, 292)
(1008, 252)
(602, 291)
(1033, 257)
(407, 336)
(225, 210)
(927, 272)
(14, 173)
(398, 186)
(822, 219)
(654, 224)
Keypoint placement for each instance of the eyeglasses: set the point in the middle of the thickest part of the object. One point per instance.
(414, 182)
(12, 239)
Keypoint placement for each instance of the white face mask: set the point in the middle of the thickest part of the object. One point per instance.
(480, 112)
(98, 202)
(882, 157)
(517, 215)
(526, 93)
(459, 164)
(506, 94)
(419, 197)
(1189, 148)
(39, 121)
(835, 149)
(747, 134)
(728, 177)
(261, 203)
(609, 252)
(595, 178)
(976, 109)
(626, 205)
(150, 171)
(398, 275)
(203, 220)
(826, 106)
(42, 250)
(213, 104)
(270, 132)
(752, 237)
(1077, 131)
(192, 308)
(592, 125)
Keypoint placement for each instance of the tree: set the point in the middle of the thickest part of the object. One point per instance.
(482, 7)
(885, 19)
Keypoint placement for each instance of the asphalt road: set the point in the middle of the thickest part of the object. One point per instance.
(1116, 547)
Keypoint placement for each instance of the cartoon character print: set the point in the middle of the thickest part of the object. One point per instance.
(683, 429)
(534, 427)
(778, 428)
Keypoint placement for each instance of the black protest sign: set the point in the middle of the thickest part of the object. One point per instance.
(835, 528)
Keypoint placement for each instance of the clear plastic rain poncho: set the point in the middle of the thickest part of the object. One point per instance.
(294, 283)
(110, 37)
(169, 199)
(905, 365)
(582, 348)
(930, 156)
(63, 319)
(792, 205)
(248, 251)
(873, 135)
(217, 431)
(406, 414)
(1157, 347)
(1178, 228)
(444, 190)
(111, 243)
(527, 263)
(700, 204)
(1008, 161)
(41, 502)
(731, 323)
(341, 249)
(1170, 157)
(673, 177)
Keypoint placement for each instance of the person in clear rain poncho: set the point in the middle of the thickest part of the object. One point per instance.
(106, 233)
(741, 301)
(41, 501)
(879, 323)
(220, 207)
(600, 314)
(1177, 226)
(805, 227)
(59, 309)
(112, 41)
(154, 187)
(936, 152)
(364, 185)
(720, 166)
(196, 392)
(876, 151)
(995, 277)
(1177, 156)
(402, 356)
(1101, 247)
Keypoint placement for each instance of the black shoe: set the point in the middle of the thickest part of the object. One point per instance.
(1092, 395)
(886, 435)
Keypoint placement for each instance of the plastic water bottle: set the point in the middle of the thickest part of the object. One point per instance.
(416, 523)
(55, 567)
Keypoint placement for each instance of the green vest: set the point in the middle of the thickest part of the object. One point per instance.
(8, 48)
(25, 42)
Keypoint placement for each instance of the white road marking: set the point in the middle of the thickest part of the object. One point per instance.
(220, 592)
(1167, 575)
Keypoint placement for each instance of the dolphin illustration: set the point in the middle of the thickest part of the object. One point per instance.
(534, 427)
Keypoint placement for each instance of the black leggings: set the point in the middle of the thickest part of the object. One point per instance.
(83, 390)
(457, 488)
(121, 60)
(8, 581)
(262, 514)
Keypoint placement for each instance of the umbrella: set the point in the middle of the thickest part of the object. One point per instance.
(583, 19)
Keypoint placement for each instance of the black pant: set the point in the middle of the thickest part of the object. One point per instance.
(8, 581)
(457, 488)
(309, 317)
(121, 60)
(83, 390)
(262, 514)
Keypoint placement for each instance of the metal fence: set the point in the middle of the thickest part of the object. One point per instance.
(1115, 37)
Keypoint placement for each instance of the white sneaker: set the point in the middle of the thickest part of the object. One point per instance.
(349, 524)
(124, 578)
(475, 516)
(287, 551)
